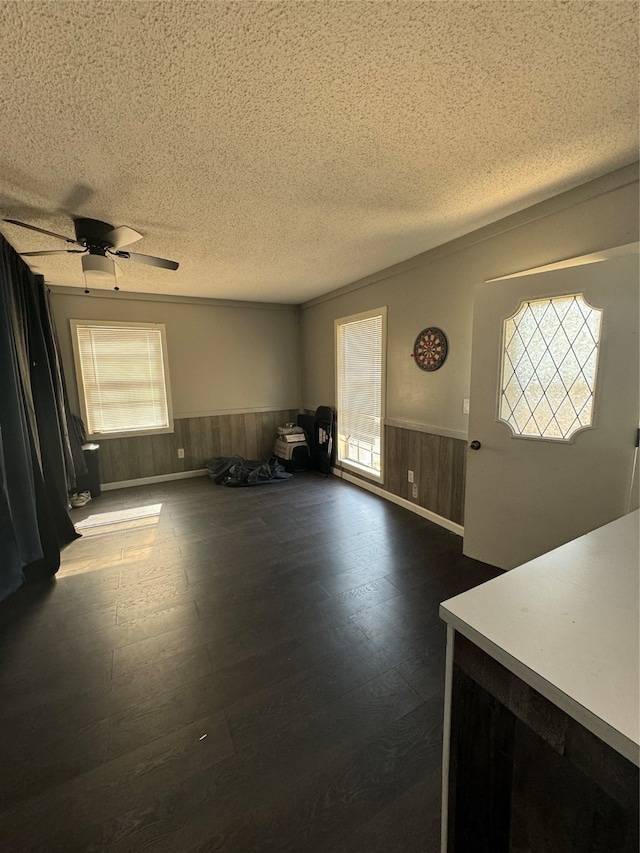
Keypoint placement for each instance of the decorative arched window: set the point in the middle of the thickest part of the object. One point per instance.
(549, 366)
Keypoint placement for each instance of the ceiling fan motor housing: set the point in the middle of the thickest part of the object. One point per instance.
(91, 232)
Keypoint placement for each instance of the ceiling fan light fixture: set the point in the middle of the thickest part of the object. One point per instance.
(98, 267)
(97, 270)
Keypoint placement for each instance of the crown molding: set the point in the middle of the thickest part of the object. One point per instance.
(136, 296)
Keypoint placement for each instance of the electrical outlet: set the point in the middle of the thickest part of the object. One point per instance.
(465, 407)
(414, 491)
(410, 476)
(181, 453)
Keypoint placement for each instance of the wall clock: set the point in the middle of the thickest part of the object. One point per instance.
(430, 349)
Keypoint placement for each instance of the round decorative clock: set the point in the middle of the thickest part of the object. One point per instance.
(430, 349)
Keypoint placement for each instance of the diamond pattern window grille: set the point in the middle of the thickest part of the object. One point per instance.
(549, 365)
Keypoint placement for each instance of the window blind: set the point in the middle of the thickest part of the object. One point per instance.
(123, 378)
(360, 361)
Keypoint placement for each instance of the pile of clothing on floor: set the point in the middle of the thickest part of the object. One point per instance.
(236, 471)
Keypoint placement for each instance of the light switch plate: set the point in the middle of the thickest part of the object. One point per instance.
(465, 407)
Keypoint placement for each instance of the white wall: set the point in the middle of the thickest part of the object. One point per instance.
(223, 358)
(436, 289)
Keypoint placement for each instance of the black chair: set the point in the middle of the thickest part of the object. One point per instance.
(323, 439)
(319, 431)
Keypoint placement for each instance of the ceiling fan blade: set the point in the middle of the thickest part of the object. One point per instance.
(40, 230)
(52, 252)
(122, 236)
(149, 259)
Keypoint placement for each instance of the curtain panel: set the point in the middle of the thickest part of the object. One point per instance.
(39, 450)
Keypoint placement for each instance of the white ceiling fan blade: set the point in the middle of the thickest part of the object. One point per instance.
(122, 236)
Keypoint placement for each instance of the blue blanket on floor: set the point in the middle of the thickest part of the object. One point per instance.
(236, 471)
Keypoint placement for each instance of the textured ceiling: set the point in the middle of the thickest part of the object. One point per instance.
(279, 150)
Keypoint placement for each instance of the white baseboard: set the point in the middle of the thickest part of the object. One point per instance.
(161, 478)
(344, 475)
(405, 504)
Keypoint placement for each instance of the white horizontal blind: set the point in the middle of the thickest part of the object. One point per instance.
(123, 378)
(360, 377)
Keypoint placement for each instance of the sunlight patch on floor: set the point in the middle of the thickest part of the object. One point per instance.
(149, 514)
(108, 527)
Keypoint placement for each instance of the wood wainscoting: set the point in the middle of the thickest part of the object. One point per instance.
(248, 434)
(439, 468)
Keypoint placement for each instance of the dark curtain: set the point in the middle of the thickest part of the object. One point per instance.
(37, 445)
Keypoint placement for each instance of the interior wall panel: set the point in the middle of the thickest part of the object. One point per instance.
(438, 464)
(249, 434)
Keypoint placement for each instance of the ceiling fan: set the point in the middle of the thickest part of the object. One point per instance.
(98, 243)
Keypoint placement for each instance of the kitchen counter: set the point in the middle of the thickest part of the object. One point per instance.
(565, 625)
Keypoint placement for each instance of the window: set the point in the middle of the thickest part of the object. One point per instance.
(360, 362)
(123, 377)
(549, 364)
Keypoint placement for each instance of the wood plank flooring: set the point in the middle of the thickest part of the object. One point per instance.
(218, 669)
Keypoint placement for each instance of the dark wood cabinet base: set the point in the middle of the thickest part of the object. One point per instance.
(527, 778)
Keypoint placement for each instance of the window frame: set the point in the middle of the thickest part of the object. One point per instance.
(111, 324)
(361, 470)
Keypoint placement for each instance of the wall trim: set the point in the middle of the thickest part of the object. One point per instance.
(159, 478)
(428, 428)
(245, 410)
(188, 415)
(458, 529)
(140, 296)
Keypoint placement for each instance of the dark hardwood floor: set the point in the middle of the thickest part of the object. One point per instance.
(221, 669)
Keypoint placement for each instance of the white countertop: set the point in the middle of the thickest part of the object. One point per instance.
(567, 624)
